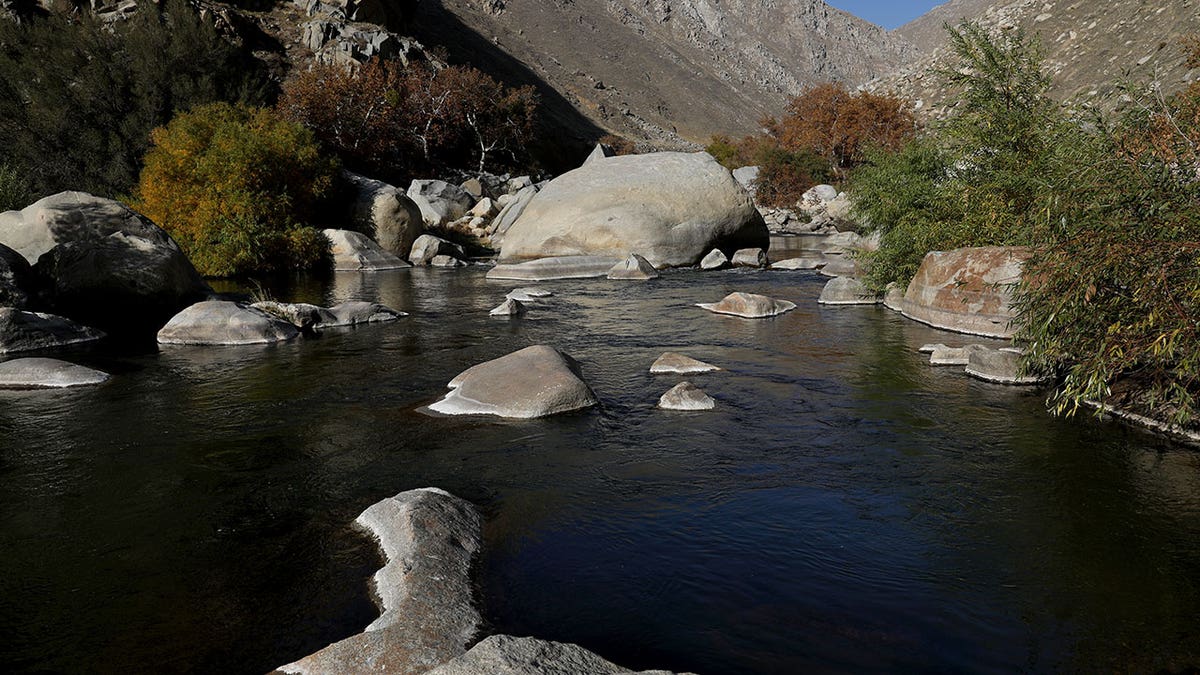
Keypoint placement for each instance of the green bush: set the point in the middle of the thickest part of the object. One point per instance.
(14, 189)
(238, 188)
(79, 97)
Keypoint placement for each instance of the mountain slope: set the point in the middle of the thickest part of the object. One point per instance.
(1090, 45)
(665, 69)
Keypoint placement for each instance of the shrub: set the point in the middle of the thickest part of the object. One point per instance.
(79, 97)
(14, 189)
(784, 175)
(237, 187)
(391, 121)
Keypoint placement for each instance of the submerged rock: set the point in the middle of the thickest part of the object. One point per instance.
(672, 362)
(846, 291)
(749, 305)
(429, 615)
(670, 207)
(534, 382)
(545, 269)
(508, 308)
(526, 294)
(715, 260)
(968, 290)
(686, 396)
(36, 373)
(220, 322)
(355, 312)
(356, 252)
(633, 268)
(22, 331)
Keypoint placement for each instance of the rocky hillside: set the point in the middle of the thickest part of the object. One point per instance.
(1089, 45)
(663, 70)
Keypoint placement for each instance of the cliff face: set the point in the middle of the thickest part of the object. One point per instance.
(1089, 45)
(666, 70)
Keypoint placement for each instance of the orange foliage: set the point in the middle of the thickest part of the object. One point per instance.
(839, 125)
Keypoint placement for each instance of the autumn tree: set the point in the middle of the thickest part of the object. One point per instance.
(840, 126)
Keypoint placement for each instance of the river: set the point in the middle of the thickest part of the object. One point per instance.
(846, 507)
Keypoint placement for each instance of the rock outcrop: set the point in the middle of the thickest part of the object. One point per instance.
(967, 290)
(749, 306)
(669, 207)
(22, 331)
(356, 252)
(36, 373)
(429, 616)
(220, 322)
(534, 382)
(98, 262)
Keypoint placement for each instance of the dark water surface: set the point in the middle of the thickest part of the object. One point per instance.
(846, 508)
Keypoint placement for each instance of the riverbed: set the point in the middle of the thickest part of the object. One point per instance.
(845, 508)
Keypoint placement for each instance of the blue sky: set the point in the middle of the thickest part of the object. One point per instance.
(886, 13)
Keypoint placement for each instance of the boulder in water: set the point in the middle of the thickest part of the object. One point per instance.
(749, 305)
(509, 308)
(534, 382)
(427, 247)
(675, 363)
(22, 331)
(385, 213)
(999, 366)
(633, 268)
(953, 356)
(355, 252)
(545, 269)
(35, 373)
(715, 260)
(220, 322)
(968, 290)
(846, 291)
(750, 257)
(686, 396)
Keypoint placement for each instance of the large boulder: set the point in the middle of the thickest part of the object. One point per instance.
(16, 279)
(99, 262)
(545, 269)
(427, 247)
(669, 207)
(749, 306)
(967, 290)
(440, 202)
(356, 252)
(30, 331)
(47, 374)
(385, 213)
(219, 322)
(431, 540)
(533, 382)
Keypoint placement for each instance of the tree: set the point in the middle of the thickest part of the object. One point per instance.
(493, 119)
(237, 188)
(78, 97)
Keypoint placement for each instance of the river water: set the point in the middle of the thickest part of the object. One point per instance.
(846, 508)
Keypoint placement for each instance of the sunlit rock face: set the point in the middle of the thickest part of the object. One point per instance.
(967, 290)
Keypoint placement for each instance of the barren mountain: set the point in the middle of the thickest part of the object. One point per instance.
(665, 70)
(1090, 45)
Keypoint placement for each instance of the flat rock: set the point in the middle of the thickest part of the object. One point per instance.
(22, 331)
(633, 268)
(526, 294)
(429, 616)
(750, 257)
(715, 260)
(356, 252)
(36, 373)
(509, 307)
(545, 269)
(356, 312)
(941, 355)
(967, 290)
(669, 207)
(385, 213)
(673, 362)
(220, 322)
(428, 247)
(533, 382)
(846, 291)
(793, 264)
(686, 396)
(508, 655)
(998, 366)
(931, 347)
(749, 305)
